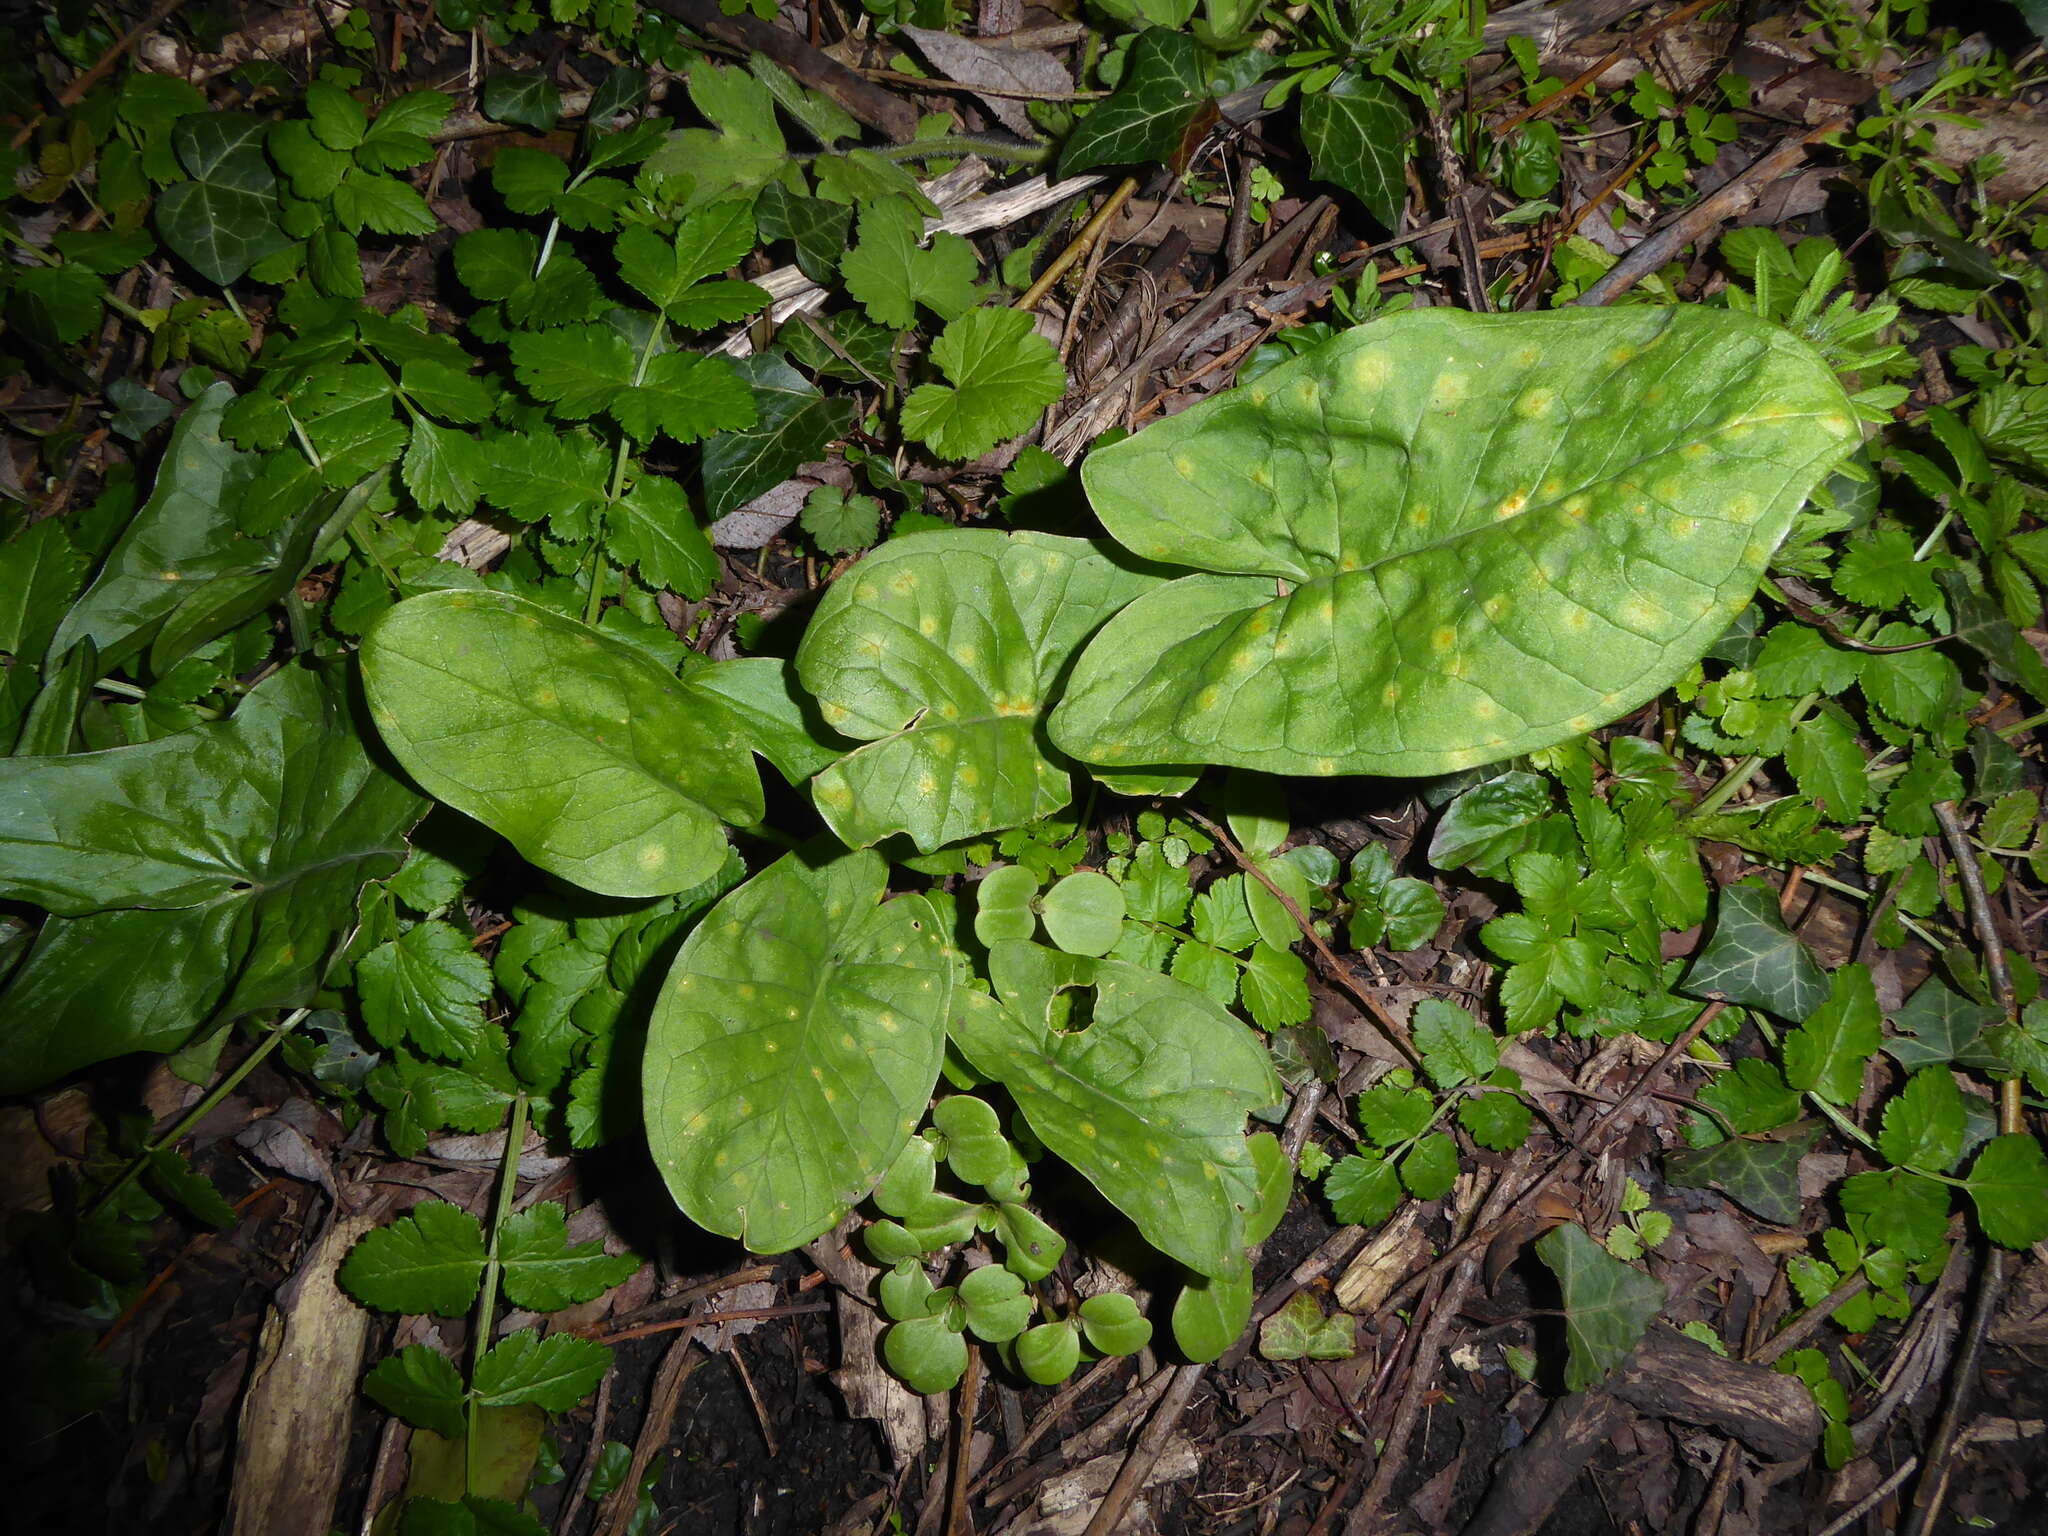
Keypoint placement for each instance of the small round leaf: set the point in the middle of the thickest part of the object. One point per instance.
(1084, 913)
(1048, 1353)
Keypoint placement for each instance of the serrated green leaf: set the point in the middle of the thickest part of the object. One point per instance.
(534, 476)
(1607, 1304)
(1275, 987)
(427, 987)
(555, 1373)
(2009, 1186)
(1165, 83)
(890, 272)
(1356, 131)
(1002, 373)
(1826, 1055)
(687, 395)
(794, 1048)
(421, 1386)
(1924, 1123)
(1445, 603)
(940, 649)
(1752, 1096)
(1753, 959)
(429, 1261)
(443, 467)
(1431, 1167)
(368, 200)
(1456, 1048)
(1831, 769)
(1362, 1190)
(587, 757)
(1912, 687)
(1148, 1102)
(1798, 659)
(1898, 1209)
(1497, 1121)
(544, 1272)
(578, 369)
(839, 523)
(652, 528)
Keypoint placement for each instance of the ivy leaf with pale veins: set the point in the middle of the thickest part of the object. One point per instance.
(589, 758)
(1936, 1025)
(794, 421)
(1826, 1054)
(939, 650)
(532, 101)
(1165, 84)
(794, 1047)
(1753, 959)
(891, 273)
(1423, 547)
(544, 1273)
(430, 1261)
(224, 220)
(1762, 1176)
(1002, 373)
(427, 986)
(1356, 132)
(1607, 1304)
(555, 1373)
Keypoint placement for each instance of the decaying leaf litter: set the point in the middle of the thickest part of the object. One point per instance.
(1530, 1287)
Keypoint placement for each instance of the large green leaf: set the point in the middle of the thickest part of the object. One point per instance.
(940, 650)
(589, 758)
(1148, 1102)
(1607, 1304)
(247, 840)
(795, 1046)
(1442, 539)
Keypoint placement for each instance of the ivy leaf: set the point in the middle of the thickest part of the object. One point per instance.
(422, 1387)
(1148, 1102)
(1349, 617)
(652, 528)
(793, 423)
(224, 220)
(427, 986)
(1003, 374)
(431, 1261)
(1299, 1330)
(891, 275)
(1165, 83)
(1356, 131)
(1607, 1304)
(1826, 1055)
(1936, 1025)
(2009, 1186)
(939, 651)
(591, 760)
(1752, 959)
(544, 1273)
(794, 1047)
(1456, 1048)
(531, 101)
(555, 1373)
(1924, 1123)
(1762, 1176)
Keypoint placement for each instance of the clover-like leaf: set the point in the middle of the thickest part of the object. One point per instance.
(1753, 959)
(1607, 1304)
(794, 1047)
(1489, 533)
(939, 650)
(1148, 1102)
(595, 763)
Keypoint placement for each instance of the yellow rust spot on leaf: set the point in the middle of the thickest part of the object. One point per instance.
(1326, 766)
(1371, 370)
(1682, 527)
(1576, 619)
(1494, 607)
(1540, 401)
(1443, 639)
(1209, 697)
(1514, 502)
(927, 625)
(1449, 391)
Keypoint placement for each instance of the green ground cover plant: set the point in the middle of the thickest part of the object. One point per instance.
(985, 866)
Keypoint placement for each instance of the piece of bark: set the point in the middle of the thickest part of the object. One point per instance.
(1535, 1477)
(1675, 1377)
(302, 1397)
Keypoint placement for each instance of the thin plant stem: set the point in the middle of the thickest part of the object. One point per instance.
(487, 1299)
